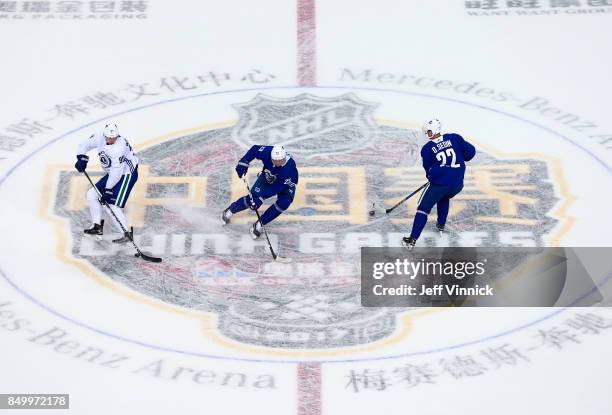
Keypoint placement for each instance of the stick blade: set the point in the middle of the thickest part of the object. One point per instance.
(377, 208)
(148, 258)
(283, 260)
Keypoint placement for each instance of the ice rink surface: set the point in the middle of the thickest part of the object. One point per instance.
(218, 327)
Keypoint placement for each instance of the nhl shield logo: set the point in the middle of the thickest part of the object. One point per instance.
(311, 125)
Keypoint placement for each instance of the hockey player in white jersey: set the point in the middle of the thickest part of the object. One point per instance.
(121, 165)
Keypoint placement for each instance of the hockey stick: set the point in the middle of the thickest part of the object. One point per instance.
(276, 257)
(139, 254)
(386, 211)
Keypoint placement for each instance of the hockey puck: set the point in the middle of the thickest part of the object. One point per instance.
(137, 255)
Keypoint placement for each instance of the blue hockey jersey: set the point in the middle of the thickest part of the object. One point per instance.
(444, 159)
(278, 180)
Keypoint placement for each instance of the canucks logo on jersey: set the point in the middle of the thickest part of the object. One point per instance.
(105, 160)
(270, 178)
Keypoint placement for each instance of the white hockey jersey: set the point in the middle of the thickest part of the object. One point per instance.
(116, 159)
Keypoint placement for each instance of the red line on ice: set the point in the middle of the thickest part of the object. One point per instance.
(309, 388)
(308, 374)
(306, 43)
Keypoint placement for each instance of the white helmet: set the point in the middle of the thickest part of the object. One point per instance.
(278, 153)
(111, 131)
(434, 125)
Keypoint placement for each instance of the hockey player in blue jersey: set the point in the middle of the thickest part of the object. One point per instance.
(444, 158)
(278, 177)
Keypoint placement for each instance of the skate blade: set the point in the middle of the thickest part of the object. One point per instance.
(407, 246)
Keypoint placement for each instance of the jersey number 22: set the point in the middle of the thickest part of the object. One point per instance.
(441, 156)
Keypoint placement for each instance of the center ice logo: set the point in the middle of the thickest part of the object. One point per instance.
(185, 182)
(307, 124)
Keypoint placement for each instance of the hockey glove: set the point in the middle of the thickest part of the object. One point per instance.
(241, 170)
(254, 202)
(107, 196)
(81, 163)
